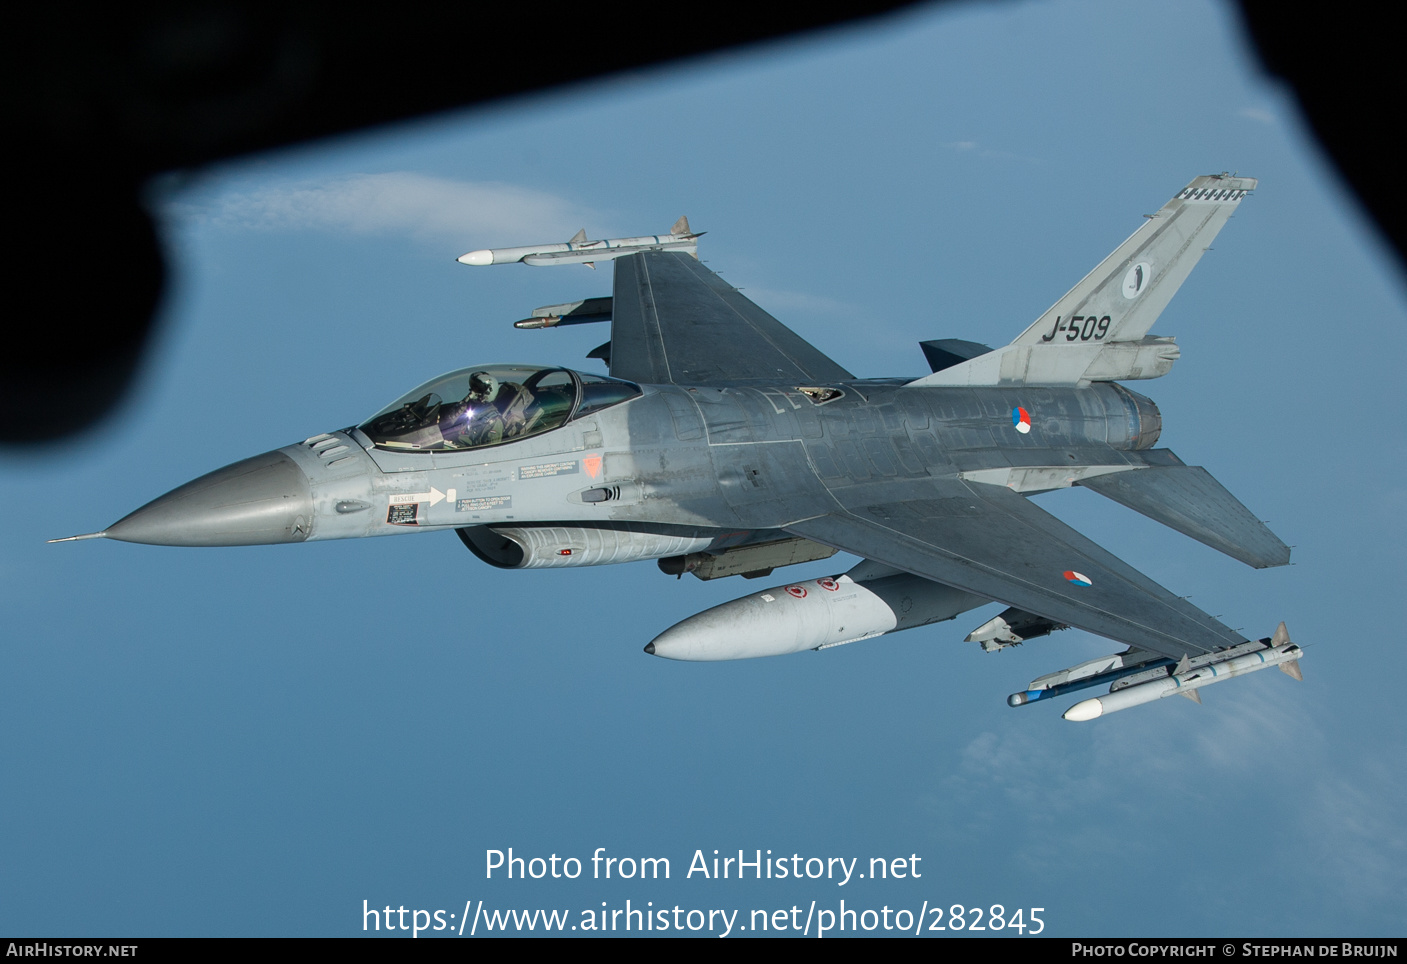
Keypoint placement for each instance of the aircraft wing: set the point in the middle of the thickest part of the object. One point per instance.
(988, 540)
(675, 321)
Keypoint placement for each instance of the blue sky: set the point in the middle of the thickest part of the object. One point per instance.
(254, 741)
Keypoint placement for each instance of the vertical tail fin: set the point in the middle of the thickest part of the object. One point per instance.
(1099, 330)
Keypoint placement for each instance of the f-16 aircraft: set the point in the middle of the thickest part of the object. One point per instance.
(722, 443)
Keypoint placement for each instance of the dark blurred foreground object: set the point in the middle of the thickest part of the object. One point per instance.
(1345, 70)
(102, 97)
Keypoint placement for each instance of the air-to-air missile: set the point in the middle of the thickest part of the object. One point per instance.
(581, 251)
(1188, 676)
(1137, 677)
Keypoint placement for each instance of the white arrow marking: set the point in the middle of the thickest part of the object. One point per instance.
(434, 497)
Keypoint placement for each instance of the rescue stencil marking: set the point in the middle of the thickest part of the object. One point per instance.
(828, 583)
(484, 502)
(1021, 420)
(546, 470)
(1078, 578)
(434, 497)
(592, 464)
(797, 591)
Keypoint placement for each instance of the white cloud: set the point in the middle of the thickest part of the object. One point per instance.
(400, 203)
(1351, 821)
(1249, 774)
(1140, 766)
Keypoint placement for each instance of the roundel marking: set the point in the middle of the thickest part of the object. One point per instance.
(1136, 279)
(1078, 578)
(796, 591)
(1021, 420)
(828, 584)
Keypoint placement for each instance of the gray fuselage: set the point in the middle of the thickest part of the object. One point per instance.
(686, 469)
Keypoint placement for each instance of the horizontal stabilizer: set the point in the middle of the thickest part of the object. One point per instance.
(947, 352)
(1188, 499)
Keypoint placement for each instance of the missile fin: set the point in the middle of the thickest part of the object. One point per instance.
(1281, 637)
(1183, 665)
(1292, 669)
(579, 237)
(681, 226)
(1192, 695)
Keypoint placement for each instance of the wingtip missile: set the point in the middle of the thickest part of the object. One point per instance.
(581, 251)
(1185, 682)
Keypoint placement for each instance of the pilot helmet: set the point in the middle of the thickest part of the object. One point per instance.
(482, 385)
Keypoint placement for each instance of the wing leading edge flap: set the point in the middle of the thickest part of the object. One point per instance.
(676, 322)
(992, 542)
(1186, 498)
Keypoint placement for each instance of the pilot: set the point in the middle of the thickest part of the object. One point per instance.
(482, 421)
(489, 413)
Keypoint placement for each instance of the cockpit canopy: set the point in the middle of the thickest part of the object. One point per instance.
(491, 405)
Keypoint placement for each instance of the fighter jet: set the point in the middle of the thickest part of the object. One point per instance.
(722, 443)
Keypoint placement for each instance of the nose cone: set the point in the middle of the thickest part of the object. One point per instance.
(260, 501)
